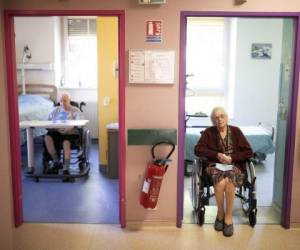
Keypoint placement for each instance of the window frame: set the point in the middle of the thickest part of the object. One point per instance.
(227, 88)
(65, 55)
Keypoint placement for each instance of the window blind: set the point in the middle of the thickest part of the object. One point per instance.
(81, 26)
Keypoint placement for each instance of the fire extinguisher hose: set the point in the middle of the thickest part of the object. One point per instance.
(163, 161)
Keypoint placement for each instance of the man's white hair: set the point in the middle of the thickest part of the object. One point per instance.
(215, 109)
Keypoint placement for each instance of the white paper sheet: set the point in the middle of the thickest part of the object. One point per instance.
(152, 66)
(224, 167)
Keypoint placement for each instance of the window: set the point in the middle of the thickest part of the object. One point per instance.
(80, 65)
(209, 64)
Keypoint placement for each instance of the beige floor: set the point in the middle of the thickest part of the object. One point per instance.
(191, 236)
(102, 237)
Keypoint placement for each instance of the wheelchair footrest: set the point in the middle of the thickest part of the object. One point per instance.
(81, 174)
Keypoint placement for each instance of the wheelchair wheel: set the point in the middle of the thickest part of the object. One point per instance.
(244, 192)
(195, 187)
(81, 166)
(252, 217)
(248, 192)
(87, 144)
(201, 216)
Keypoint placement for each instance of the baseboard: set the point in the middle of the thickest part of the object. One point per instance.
(103, 169)
(295, 225)
(94, 140)
(134, 225)
(276, 207)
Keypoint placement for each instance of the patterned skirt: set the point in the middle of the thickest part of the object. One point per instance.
(236, 176)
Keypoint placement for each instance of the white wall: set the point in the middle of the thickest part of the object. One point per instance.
(44, 38)
(257, 80)
(38, 34)
(58, 48)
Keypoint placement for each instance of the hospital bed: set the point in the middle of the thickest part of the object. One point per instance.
(36, 104)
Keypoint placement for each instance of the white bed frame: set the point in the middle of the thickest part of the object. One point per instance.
(46, 90)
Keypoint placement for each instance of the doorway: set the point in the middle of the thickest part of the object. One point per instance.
(13, 100)
(222, 89)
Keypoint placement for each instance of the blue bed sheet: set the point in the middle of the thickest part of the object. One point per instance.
(258, 137)
(33, 107)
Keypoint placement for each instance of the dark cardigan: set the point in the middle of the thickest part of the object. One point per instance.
(209, 147)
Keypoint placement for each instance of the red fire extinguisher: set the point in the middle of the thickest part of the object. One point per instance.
(154, 176)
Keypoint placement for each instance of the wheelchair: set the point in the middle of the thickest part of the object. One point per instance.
(80, 153)
(201, 191)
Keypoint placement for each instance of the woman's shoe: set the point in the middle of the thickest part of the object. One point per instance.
(228, 230)
(219, 225)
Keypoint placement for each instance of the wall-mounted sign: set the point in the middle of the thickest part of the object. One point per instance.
(152, 1)
(152, 66)
(153, 31)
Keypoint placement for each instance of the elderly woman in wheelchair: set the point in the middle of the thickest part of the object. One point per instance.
(223, 152)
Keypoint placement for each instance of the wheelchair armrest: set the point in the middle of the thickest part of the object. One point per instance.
(202, 158)
(200, 161)
(251, 159)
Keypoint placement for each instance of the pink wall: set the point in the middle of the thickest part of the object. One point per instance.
(146, 106)
(150, 106)
(295, 207)
(6, 209)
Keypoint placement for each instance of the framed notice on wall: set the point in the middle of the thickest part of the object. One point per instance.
(152, 66)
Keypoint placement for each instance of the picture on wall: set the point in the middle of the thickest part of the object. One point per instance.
(261, 50)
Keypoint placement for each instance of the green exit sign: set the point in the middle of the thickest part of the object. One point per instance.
(152, 1)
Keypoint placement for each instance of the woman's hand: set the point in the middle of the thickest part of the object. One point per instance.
(228, 159)
(223, 158)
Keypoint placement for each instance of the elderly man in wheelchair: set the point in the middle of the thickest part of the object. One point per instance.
(63, 138)
(223, 162)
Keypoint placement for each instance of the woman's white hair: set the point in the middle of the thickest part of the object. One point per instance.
(215, 109)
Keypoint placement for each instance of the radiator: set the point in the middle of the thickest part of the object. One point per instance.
(91, 113)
